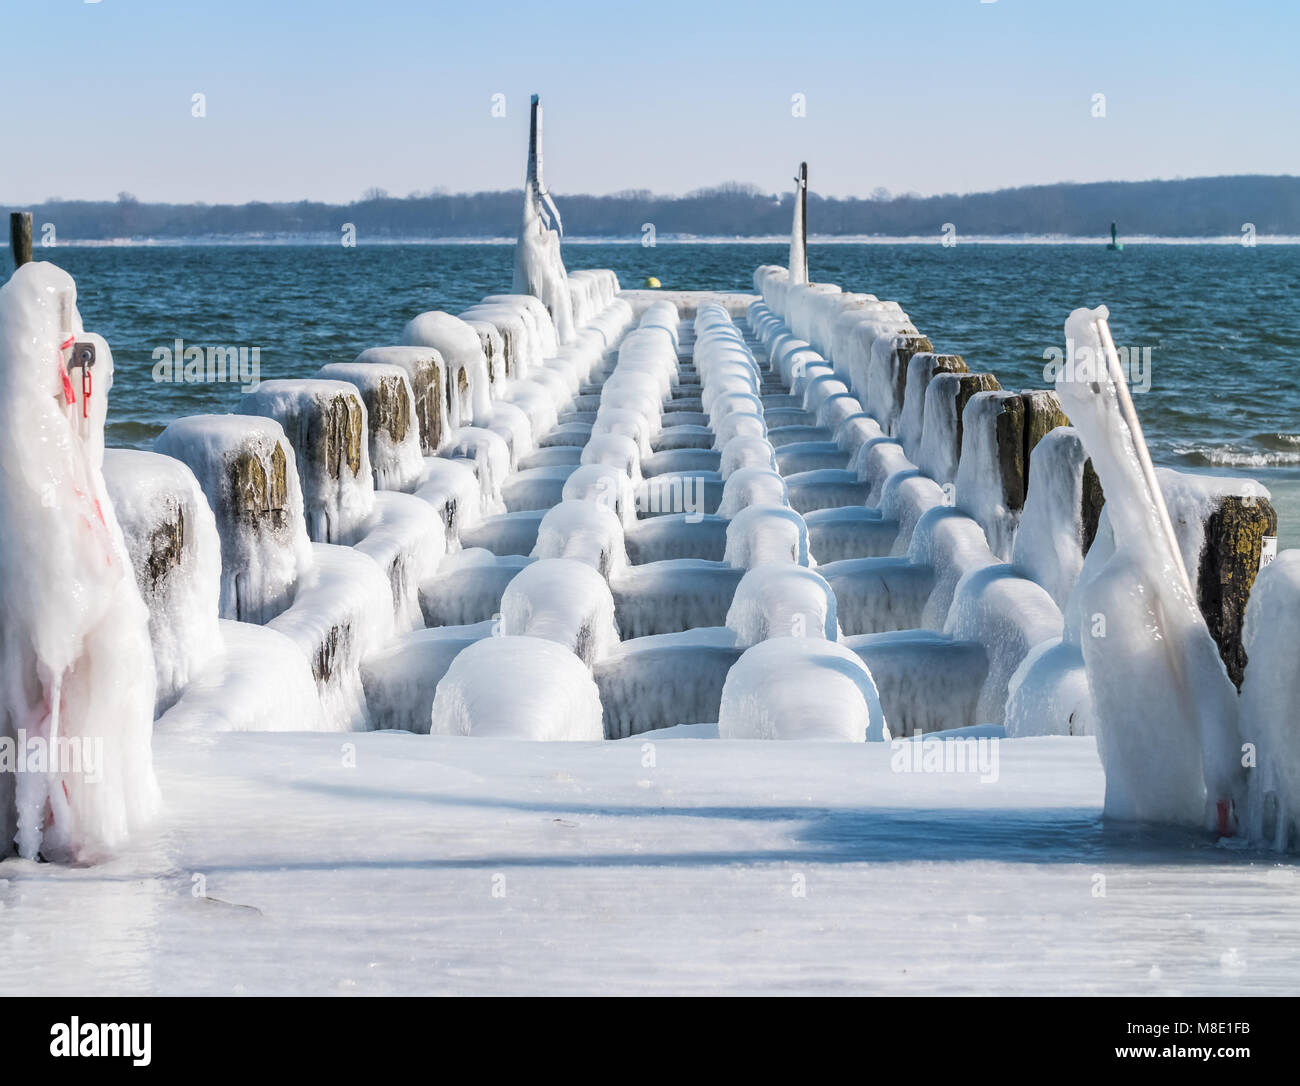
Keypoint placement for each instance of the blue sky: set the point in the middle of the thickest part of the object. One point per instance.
(324, 99)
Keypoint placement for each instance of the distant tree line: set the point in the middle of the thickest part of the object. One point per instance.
(1204, 206)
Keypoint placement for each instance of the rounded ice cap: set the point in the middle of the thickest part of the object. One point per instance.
(751, 486)
(766, 533)
(518, 688)
(800, 688)
(779, 600)
(565, 601)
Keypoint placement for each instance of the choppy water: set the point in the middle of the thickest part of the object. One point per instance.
(1222, 321)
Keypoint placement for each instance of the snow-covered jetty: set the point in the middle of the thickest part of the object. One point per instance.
(575, 512)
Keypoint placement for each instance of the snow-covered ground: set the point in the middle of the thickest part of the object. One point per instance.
(441, 864)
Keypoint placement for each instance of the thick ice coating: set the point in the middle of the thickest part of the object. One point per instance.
(565, 601)
(250, 477)
(801, 688)
(171, 536)
(1166, 709)
(327, 424)
(77, 696)
(782, 600)
(518, 688)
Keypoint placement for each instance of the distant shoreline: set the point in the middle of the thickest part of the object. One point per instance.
(322, 241)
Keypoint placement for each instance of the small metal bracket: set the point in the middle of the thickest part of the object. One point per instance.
(83, 356)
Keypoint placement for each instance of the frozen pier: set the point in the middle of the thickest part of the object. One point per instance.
(574, 512)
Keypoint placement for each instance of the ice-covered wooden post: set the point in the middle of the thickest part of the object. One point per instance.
(248, 473)
(20, 237)
(396, 458)
(1234, 545)
(1021, 426)
(946, 397)
(326, 423)
(171, 536)
(428, 374)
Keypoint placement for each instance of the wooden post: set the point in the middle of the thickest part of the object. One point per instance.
(1092, 499)
(1009, 430)
(20, 237)
(1234, 544)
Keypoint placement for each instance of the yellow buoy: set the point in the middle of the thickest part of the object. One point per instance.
(652, 282)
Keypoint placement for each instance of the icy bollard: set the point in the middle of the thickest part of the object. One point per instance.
(407, 540)
(766, 533)
(325, 422)
(922, 368)
(782, 601)
(258, 681)
(428, 374)
(74, 632)
(518, 688)
(495, 351)
(628, 402)
(641, 391)
(565, 601)
(627, 423)
(1060, 517)
(605, 485)
(584, 530)
(582, 293)
(342, 612)
(617, 451)
(171, 537)
(1166, 708)
(742, 400)
(946, 397)
(722, 382)
(886, 377)
(799, 688)
(468, 393)
(746, 451)
(990, 480)
(248, 473)
(738, 424)
(751, 486)
(510, 343)
(396, 458)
